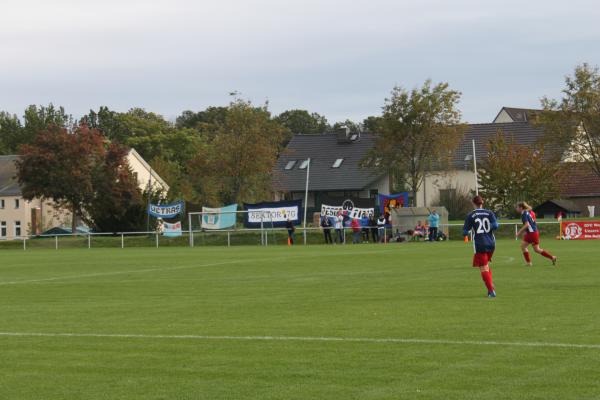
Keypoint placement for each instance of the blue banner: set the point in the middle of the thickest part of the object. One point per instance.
(166, 210)
(219, 218)
(273, 214)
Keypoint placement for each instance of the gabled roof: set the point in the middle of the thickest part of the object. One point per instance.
(565, 205)
(9, 186)
(579, 180)
(518, 114)
(522, 133)
(324, 150)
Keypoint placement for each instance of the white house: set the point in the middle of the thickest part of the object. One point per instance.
(20, 217)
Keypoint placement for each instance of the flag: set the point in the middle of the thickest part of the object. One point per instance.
(219, 218)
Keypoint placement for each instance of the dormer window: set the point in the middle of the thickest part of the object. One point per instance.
(303, 164)
(290, 165)
(337, 163)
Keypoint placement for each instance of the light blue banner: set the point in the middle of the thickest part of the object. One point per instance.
(219, 218)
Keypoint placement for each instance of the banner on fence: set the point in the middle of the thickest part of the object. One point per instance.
(581, 230)
(387, 202)
(172, 230)
(219, 218)
(273, 213)
(354, 208)
(166, 210)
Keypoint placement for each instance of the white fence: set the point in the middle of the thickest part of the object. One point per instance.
(226, 237)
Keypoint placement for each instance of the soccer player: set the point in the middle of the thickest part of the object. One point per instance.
(482, 223)
(532, 235)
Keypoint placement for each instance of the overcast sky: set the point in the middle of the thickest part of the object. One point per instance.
(338, 58)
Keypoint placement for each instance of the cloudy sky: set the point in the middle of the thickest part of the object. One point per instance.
(338, 58)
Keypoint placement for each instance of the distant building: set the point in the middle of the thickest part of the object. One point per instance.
(513, 114)
(335, 168)
(20, 217)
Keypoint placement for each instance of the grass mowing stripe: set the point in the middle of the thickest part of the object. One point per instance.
(307, 339)
(58, 278)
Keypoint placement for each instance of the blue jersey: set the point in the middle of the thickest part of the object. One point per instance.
(526, 217)
(482, 223)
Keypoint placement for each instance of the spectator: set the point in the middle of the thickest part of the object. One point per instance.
(373, 228)
(326, 225)
(355, 225)
(291, 230)
(364, 223)
(381, 228)
(419, 231)
(434, 224)
(339, 228)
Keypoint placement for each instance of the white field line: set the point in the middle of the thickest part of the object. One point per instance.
(134, 271)
(306, 339)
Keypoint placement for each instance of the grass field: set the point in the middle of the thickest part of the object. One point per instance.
(401, 321)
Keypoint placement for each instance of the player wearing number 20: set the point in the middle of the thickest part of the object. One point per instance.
(482, 223)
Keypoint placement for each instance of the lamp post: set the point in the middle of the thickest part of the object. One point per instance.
(306, 196)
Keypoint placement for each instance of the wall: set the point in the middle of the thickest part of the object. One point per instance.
(51, 216)
(429, 192)
(144, 172)
(503, 117)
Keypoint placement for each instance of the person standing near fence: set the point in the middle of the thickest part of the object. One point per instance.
(434, 223)
(339, 228)
(291, 230)
(381, 228)
(356, 229)
(326, 225)
(373, 228)
(364, 223)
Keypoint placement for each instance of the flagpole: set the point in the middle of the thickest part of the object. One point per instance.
(306, 197)
(475, 169)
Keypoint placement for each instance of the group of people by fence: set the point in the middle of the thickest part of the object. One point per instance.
(369, 229)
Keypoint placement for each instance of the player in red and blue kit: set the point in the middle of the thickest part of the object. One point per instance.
(532, 234)
(482, 223)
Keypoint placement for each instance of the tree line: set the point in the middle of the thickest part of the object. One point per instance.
(226, 154)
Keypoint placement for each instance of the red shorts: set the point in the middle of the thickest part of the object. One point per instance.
(532, 237)
(482, 259)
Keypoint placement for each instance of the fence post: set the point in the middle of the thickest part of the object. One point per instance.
(56, 242)
(122, 241)
(228, 239)
(24, 244)
(89, 241)
(516, 231)
(191, 230)
(157, 240)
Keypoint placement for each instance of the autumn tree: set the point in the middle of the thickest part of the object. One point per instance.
(573, 122)
(512, 172)
(418, 130)
(238, 161)
(82, 172)
(118, 203)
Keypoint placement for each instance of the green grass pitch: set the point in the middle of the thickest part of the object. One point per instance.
(398, 321)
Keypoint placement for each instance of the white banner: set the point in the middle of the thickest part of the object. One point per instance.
(354, 213)
(279, 214)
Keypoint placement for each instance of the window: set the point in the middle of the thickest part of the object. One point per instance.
(337, 163)
(2, 204)
(17, 203)
(17, 228)
(303, 164)
(290, 165)
(3, 229)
